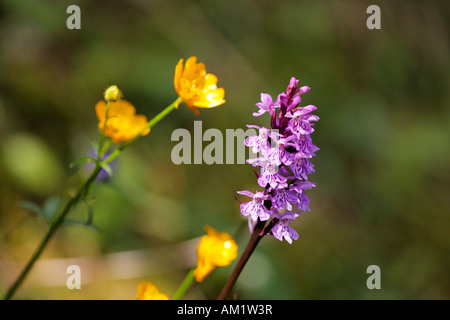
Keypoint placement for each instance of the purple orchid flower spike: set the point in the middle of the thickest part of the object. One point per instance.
(283, 163)
(282, 169)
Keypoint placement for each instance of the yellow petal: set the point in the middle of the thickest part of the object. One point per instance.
(203, 269)
(122, 124)
(210, 82)
(214, 250)
(177, 77)
(121, 108)
(194, 71)
(148, 291)
(195, 87)
(211, 99)
(100, 110)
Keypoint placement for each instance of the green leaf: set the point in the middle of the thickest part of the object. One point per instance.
(107, 168)
(81, 223)
(48, 209)
(81, 161)
(51, 207)
(33, 207)
(106, 146)
(90, 215)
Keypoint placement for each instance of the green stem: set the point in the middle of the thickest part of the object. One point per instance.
(83, 192)
(53, 227)
(105, 147)
(184, 286)
(102, 134)
(163, 113)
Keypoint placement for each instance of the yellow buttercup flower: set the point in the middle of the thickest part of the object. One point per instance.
(122, 124)
(214, 250)
(195, 87)
(148, 291)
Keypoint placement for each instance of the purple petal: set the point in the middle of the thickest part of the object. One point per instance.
(264, 215)
(308, 109)
(292, 234)
(251, 224)
(259, 113)
(266, 99)
(303, 185)
(246, 193)
(250, 141)
(253, 126)
(304, 89)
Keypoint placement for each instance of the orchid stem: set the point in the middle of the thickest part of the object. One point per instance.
(252, 243)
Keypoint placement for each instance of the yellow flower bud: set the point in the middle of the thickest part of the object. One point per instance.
(148, 291)
(214, 250)
(112, 93)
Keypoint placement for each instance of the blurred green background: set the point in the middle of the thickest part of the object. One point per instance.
(382, 171)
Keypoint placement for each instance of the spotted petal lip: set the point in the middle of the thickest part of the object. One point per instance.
(195, 87)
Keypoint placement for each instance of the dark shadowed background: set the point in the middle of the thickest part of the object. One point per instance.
(382, 171)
